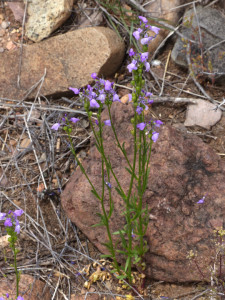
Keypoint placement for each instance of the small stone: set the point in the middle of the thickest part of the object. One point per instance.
(125, 99)
(2, 32)
(4, 241)
(10, 46)
(203, 114)
(1, 49)
(5, 24)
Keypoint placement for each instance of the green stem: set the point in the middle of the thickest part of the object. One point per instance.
(15, 264)
(118, 143)
(106, 218)
(108, 164)
(81, 166)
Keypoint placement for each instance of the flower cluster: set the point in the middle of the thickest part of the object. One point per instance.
(151, 128)
(11, 219)
(101, 93)
(142, 34)
(13, 228)
(64, 122)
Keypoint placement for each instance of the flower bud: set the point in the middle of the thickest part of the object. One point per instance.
(132, 120)
(132, 132)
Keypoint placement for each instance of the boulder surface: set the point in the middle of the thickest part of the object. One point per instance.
(183, 170)
(69, 59)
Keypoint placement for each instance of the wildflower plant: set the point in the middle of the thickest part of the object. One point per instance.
(12, 226)
(132, 245)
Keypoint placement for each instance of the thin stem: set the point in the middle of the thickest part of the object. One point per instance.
(103, 206)
(81, 166)
(118, 143)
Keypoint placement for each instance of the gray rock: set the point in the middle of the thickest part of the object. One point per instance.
(212, 28)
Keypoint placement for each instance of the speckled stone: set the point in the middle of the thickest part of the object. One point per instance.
(45, 17)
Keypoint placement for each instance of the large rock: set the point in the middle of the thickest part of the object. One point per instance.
(30, 288)
(44, 17)
(69, 60)
(183, 170)
(168, 10)
(212, 28)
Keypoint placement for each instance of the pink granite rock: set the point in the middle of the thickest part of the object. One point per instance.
(68, 59)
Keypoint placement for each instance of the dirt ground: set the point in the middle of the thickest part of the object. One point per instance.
(35, 165)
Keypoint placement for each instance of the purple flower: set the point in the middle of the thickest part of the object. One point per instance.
(201, 200)
(18, 212)
(2, 215)
(1, 298)
(130, 97)
(101, 97)
(108, 184)
(150, 101)
(132, 66)
(154, 29)
(94, 75)
(94, 103)
(141, 126)
(56, 126)
(7, 295)
(107, 122)
(147, 66)
(139, 110)
(93, 94)
(74, 120)
(131, 52)
(146, 40)
(136, 33)
(96, 122)
(8, 222)
(75, 90)
(17, 228)
(158, 123)
(19, 298)
(155, 136)
(116, 98)
(89, 88)
(144, 56)
(143, 19)
(108, 85)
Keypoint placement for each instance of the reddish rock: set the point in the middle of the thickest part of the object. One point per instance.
(29, 288)
(183, 170)
(69, 60)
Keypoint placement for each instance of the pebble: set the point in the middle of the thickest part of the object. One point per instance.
(1, 49)
(5, 24)
(2, 32)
